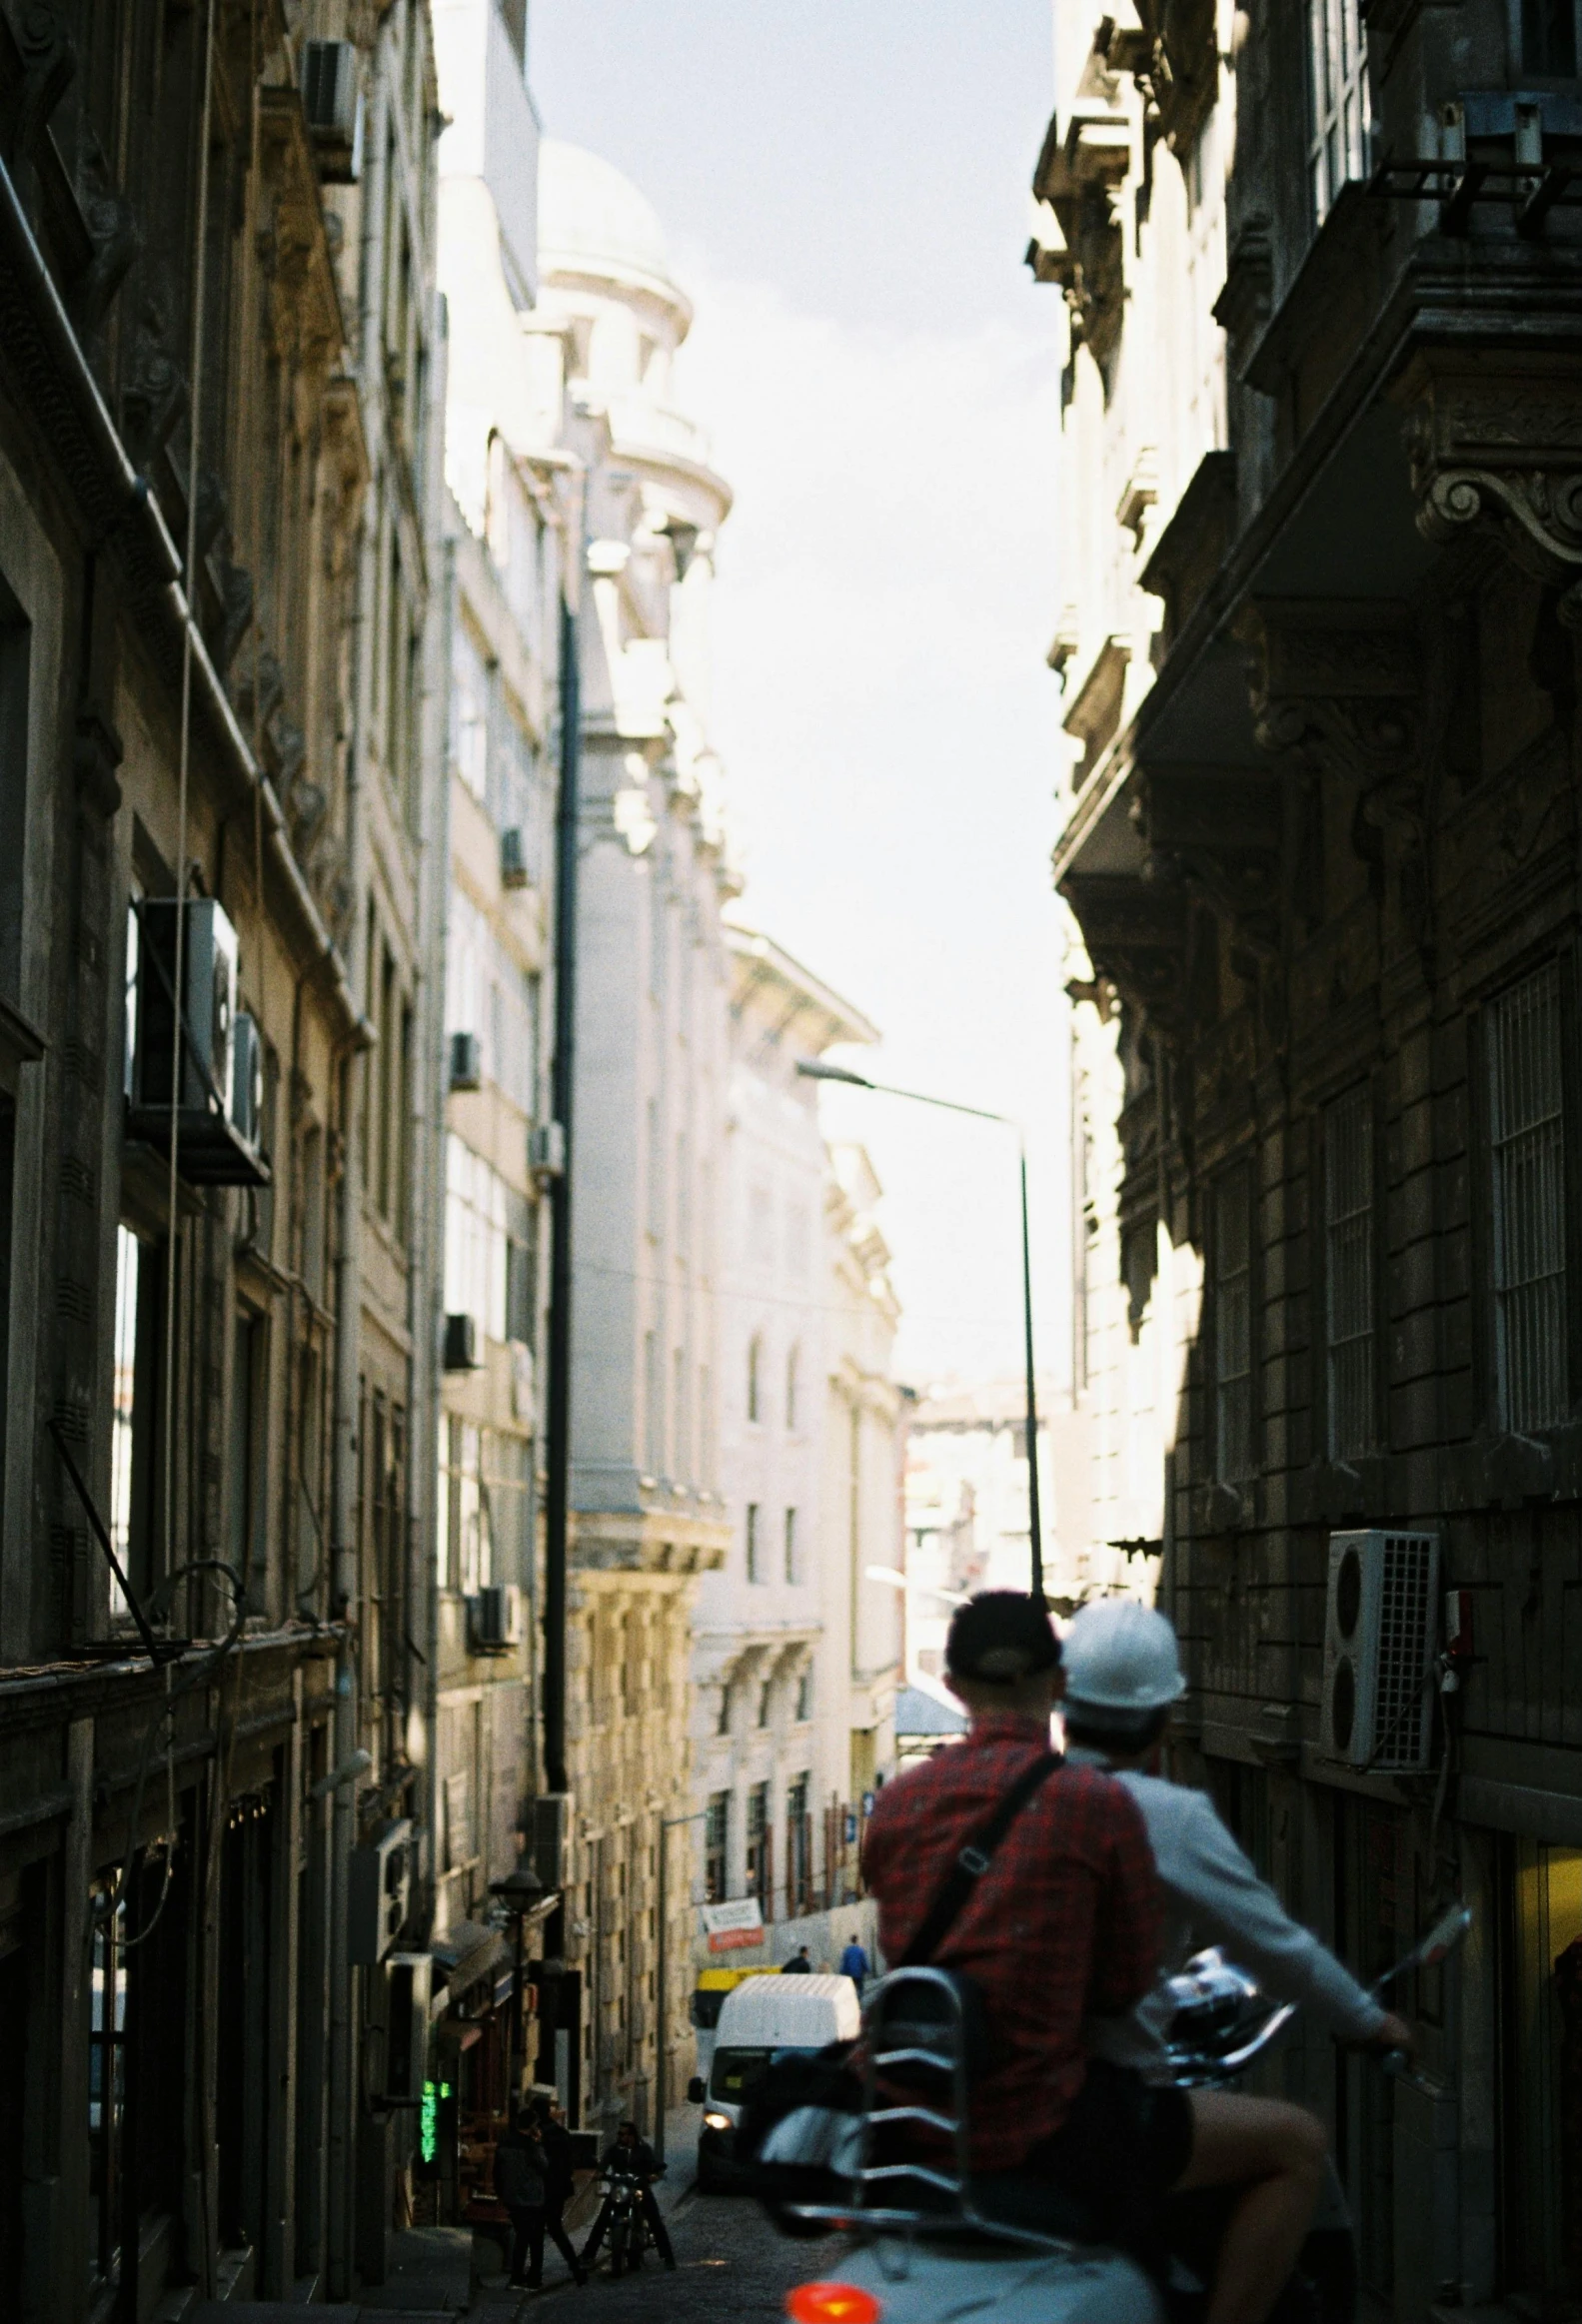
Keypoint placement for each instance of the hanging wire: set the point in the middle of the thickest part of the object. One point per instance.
(194, 434)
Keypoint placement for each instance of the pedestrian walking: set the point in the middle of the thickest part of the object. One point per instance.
(798, 1966)
(856, 1964)
(521, 2184)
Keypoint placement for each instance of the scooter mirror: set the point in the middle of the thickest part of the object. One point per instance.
(1444, 1936)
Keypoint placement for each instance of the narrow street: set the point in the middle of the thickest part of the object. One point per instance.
(730, 2262)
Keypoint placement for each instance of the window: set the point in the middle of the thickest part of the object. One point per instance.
(1336, 100)
(1549, 39)
(804, 1698)
(1528, 1188)
(754, 1378)
(468, 1500)
(1233, 1325)
(723, 1726)
(759, 1846)
(792, 1565)
(652, 1405)
(716, 1842)
(135, 1433)
(1348, 1273)
(792, 1362)
(105, 2083)
(248, 1464)
(469, 711)
(798, 1846)
(478, 1206)
(766, 1702)
(753, 1575)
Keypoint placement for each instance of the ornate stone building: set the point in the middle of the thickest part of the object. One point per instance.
(771, 1712)
(653, 997)
(216, 373)
(1322, 408)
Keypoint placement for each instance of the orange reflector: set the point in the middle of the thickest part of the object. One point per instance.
(832, 2304)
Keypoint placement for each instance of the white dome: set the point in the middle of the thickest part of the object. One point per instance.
(591, 215)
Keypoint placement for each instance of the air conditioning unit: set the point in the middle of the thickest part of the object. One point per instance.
(378, 1890)
(550, 1839)
(466, 1061)
(494, 1619)
(1380, 1641)
(332, 101)
(461, 1343)
(512, 860)
(547, 1152)
(217, 1083)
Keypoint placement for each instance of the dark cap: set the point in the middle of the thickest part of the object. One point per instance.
(1001, 1635)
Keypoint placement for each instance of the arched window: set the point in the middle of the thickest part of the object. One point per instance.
(754, 1378)
(791, 1388)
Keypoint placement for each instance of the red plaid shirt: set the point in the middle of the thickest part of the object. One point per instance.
(1064, 1924)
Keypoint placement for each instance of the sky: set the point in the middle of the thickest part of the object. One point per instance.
(843, 189)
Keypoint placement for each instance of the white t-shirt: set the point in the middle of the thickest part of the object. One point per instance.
(1213, 1895)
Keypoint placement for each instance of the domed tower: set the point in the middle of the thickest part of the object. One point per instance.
(649, 1142)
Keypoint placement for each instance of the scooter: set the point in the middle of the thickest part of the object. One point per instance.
(928, 2245)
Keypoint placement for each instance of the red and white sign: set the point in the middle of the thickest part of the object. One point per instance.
(731, 1926)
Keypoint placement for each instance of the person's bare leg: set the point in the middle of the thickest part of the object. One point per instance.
(1277, 2152)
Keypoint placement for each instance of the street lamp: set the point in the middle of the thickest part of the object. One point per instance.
(661, 2060)
(814, 1069)
(520, 1892)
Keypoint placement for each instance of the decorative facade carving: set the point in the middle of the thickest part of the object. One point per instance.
(1501, 445)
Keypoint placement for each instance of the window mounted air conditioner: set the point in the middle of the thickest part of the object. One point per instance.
(332, 102)
(1380, 1641)
(494, 1619)
(377, 1891)
(461, 1343)
(217, 1083)
(512, 860)
(466, 1061)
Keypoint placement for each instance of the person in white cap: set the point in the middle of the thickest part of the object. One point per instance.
(1122, 1678)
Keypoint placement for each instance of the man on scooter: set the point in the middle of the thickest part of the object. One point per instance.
(1122, 1675)
(1062, 1925)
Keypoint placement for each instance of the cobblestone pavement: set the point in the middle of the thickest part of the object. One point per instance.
(729, 2266)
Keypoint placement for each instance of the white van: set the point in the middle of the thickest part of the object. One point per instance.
(765, 2019)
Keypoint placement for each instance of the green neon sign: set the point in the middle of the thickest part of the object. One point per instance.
(428, 2120)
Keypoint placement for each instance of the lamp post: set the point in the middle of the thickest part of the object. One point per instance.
(660, 2061)
(814, 1069)
(520, 1892)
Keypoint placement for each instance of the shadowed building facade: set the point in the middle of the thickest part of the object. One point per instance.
(1321, 414)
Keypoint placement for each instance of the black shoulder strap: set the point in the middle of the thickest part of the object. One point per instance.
(972, 1863)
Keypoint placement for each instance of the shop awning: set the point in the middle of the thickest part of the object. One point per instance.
(466, 1953)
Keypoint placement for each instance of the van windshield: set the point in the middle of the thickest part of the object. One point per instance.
(735, 2072)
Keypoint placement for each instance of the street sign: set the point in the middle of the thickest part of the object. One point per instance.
(728, 1926)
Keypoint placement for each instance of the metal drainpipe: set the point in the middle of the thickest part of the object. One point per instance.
(559, 1397)
(349, 1290)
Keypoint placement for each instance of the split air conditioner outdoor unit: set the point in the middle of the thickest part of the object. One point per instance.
(466, 1061)
(547, 1152)
(1380, 1641)
(461, 1343)
(332, 102)
(550, 1839)
(513, 859)
(494, 1619)
(377, 1891)
(218, 1081)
